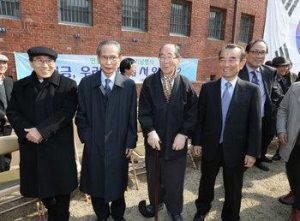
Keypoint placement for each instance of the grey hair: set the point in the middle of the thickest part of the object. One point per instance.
(105, 43)
(177, 49)
(233, 46)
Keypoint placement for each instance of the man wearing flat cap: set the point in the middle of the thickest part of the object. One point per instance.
(283, 81)
(6, 85)
(41, 110)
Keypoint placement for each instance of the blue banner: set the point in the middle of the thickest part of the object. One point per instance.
(78, 66)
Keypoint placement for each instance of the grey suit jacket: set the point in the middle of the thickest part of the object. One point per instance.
(288, 119)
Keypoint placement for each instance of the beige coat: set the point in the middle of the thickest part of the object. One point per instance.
(288, 119)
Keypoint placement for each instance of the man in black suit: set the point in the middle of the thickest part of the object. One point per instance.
(227, 134)
(256, 72)
(6, 85)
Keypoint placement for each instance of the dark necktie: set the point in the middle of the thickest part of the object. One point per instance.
(107, 87)
(254, 78)
(226, 98)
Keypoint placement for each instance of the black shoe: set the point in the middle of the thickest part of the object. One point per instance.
(176, 217)
(276, 157)
(148, 211)
(198, 217)
(266, 159)
(261, 166)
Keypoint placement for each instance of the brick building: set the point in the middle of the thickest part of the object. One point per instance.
(201, 27)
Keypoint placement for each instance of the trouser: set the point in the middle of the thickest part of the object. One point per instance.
(6, 158)
(171, 179)
(233, 183)
(266, 139)
(293, 174)
(101, 208)
(58, 207)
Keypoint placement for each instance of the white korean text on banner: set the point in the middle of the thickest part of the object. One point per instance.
(78, 66)
(282, 30)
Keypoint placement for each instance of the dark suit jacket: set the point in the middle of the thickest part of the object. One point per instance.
(167, 118)
(268, 76)
(8, 85)
(242, 132)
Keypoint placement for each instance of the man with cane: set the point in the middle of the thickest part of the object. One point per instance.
(167, 113)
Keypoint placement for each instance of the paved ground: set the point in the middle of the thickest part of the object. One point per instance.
(260, 193)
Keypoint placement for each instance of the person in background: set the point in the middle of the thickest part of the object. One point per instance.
(283, 80)
(128, 67)
(288, 130)
(6, 86)
(263, 76)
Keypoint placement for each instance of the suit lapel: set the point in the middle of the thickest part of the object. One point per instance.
(236, 95)
(244, 74)
(264, 79)
(7, 88)
(218, 101)
(174, 88)
(159, 88)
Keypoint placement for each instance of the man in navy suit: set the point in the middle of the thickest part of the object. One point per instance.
(227, 134)
(263, 76)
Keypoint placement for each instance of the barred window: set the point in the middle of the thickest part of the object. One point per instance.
(134, 14)
(75, 11)
(216, 23)
(180, 17)
(246, 29)
(10, 8)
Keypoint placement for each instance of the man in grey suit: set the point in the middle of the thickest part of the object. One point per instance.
(6, 85)
(263, 76)
(227, 134)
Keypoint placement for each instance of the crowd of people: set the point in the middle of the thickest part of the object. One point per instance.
(230, 124)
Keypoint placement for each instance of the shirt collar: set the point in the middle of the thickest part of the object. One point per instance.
(251, 69)
(111, 78)
(233, 82)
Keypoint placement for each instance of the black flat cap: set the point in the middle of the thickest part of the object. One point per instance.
(37, 51)
(280, 61)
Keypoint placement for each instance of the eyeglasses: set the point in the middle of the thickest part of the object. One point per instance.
(109, 58)
(258, 52)
(41, 61)
(163, 58)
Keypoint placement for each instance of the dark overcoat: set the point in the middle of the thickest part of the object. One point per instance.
(167, 118)
(107, 125)
(49, 168)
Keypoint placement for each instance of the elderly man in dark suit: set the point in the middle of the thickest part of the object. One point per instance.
(227, 134)
(107, 125)
(263, 76)
(6, 85)
(167, 113)
(41, 110)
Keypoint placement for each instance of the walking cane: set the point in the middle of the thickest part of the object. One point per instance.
(156, 184)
